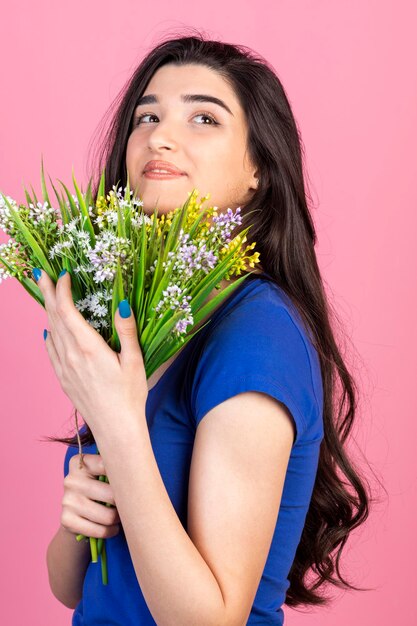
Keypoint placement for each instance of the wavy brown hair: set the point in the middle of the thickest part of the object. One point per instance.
(285, 236)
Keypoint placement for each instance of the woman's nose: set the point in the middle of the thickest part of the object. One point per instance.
(164, 134)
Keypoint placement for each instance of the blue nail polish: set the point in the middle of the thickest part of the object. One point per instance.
(124, 308)
(62, 273)
(45, 334)
(36, 273)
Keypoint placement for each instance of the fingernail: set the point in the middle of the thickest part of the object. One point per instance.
(124, 308)
(36, 273)
(62, 273)
(45, 334)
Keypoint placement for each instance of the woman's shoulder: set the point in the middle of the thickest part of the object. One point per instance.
(258, 341)
(259, 306)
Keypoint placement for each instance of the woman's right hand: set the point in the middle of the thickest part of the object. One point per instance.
(82, 512)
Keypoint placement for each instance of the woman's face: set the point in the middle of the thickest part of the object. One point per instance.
(185, 134)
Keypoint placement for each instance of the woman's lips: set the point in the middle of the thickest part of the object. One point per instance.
(161, 175)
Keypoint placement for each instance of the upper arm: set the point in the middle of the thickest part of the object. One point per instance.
(238, 466)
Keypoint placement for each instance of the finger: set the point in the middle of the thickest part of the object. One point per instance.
(100, 513)
(77, 330)
(47, 288)
(77, 524)
(96, 490)
(92, 464)
(65, 306)
(63, 315)
(53, 354)
(130, 350)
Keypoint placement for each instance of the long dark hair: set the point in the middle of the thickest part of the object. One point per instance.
(285, 237)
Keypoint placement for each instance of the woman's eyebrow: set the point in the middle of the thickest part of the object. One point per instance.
(189, 97)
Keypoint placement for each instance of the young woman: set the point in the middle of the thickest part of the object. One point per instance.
(245, 487)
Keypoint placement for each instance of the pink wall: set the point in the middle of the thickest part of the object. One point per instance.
(350, 71)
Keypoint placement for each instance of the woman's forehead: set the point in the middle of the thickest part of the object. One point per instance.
(190, 83)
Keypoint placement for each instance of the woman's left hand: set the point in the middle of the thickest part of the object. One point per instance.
(109, 389)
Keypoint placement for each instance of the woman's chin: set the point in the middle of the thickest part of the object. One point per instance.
(164, 197)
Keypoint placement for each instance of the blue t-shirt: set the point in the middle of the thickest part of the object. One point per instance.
(255, 341)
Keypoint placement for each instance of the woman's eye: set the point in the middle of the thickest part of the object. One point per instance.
(206, 115)
(140, 118)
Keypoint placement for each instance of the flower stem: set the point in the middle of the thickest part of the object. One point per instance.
(93, 546)
(104, 565)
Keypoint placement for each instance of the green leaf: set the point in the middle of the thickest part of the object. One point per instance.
(196, 223)
(222, 295)
(152, 244)
(165, 352)
(174, 230)
(162, 334)
(34, 195)
(141, 324)
(28, 198)
(118, 295)
(128, 211)
(158, 282)
(65, 216)
(102, 185)
(30, 286)
(31, 241)
(138, 282)
(33, 290)
(88, 199)
(44, 190)
(86, 223)
(161, 283)
(127, 189)
(121, 229)
(73, 207)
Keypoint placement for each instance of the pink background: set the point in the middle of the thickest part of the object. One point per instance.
(350, 71)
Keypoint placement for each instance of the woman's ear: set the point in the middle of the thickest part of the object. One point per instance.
(255, 184)
(255, 180)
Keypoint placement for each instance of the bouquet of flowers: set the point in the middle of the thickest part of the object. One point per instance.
(165, 266)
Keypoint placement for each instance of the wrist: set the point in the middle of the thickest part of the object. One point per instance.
(127, 431)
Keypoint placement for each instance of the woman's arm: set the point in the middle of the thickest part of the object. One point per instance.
(83, 512)
(208, 575)
(67, 561)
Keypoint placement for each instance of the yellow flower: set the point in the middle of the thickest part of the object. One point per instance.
(101, 205)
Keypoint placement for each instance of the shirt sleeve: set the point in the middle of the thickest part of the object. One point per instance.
(71, 451)
(256, 347)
